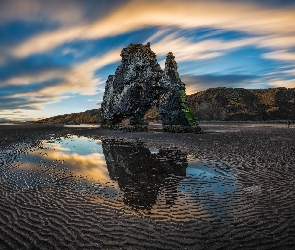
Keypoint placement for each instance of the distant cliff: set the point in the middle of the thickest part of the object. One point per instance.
(237, 104)
(88, 116)
(4, 120)
(220, 104)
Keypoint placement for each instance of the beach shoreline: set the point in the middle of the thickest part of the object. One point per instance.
(52, 216)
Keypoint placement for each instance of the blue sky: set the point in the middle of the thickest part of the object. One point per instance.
(55, 56)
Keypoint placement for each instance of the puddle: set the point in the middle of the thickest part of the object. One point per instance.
(9, 123)
(163, 184)
(82, 126)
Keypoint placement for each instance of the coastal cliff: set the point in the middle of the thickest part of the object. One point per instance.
(88, 116)
(238, 104)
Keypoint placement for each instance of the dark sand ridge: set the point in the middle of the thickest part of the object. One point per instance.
(52, 217)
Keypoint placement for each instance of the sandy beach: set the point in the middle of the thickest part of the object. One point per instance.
(245, 202)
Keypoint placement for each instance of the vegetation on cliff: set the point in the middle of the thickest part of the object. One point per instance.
(237, 104)
(89, 116)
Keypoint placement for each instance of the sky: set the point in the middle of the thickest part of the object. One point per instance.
(55, 56)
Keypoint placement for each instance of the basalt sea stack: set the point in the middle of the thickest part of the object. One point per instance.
(139, 83)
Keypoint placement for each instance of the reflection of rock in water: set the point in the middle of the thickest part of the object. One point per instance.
(141, 175)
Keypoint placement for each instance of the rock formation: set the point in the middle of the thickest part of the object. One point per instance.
(238, 104)
(134, 87)
(139, 83)
(172, 107)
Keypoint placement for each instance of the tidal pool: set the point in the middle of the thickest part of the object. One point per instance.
(82, 126)
(163, 184)
(8, 123)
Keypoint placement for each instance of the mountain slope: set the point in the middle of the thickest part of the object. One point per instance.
(88, 116)
(237, 104)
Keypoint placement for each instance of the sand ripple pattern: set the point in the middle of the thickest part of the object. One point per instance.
(49, 208)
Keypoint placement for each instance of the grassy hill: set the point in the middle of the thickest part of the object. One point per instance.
(88, 116)
(237, 104)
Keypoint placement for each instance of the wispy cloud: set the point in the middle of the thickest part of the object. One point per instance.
(282, 83)
(282, 55)
(80, 79)
(282, 78)
(187, 50)
(246, 17)
(289, 72)
(270, 28)
(92, 100)
(195, 83)
(60, 13)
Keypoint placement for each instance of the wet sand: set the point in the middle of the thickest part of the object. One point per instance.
(259, 214)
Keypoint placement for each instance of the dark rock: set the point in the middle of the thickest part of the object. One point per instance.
(142, 175)
(138, 84)
(182, 129)
(172, 107)
(131, 92)
(128, 128)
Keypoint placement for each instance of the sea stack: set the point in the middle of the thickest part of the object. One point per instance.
(138, 84)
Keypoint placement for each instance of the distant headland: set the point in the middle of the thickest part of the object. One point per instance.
(215, 104)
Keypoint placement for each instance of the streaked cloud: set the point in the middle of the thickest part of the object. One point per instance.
(289, 72)
(62, 13)
(195, 83)
(283, 83)
(187, 50)
(282, 55)
(246, 17)
(93, 100)
(80, 79)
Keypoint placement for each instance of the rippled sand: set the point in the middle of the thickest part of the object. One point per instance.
(242, 198)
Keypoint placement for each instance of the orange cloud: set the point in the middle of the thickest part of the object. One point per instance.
(282, 55)
(80, 79)
(283, 83)
(183, 14)
(91, 166)
(65, 12)
(187, 50)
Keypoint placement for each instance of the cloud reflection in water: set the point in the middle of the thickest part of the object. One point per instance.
(159, 183)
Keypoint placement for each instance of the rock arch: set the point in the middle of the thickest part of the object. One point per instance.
(139, 83)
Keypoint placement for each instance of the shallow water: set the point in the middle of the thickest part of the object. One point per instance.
(8, 123)
(82, 126)
(78, 193)
(163, 184)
